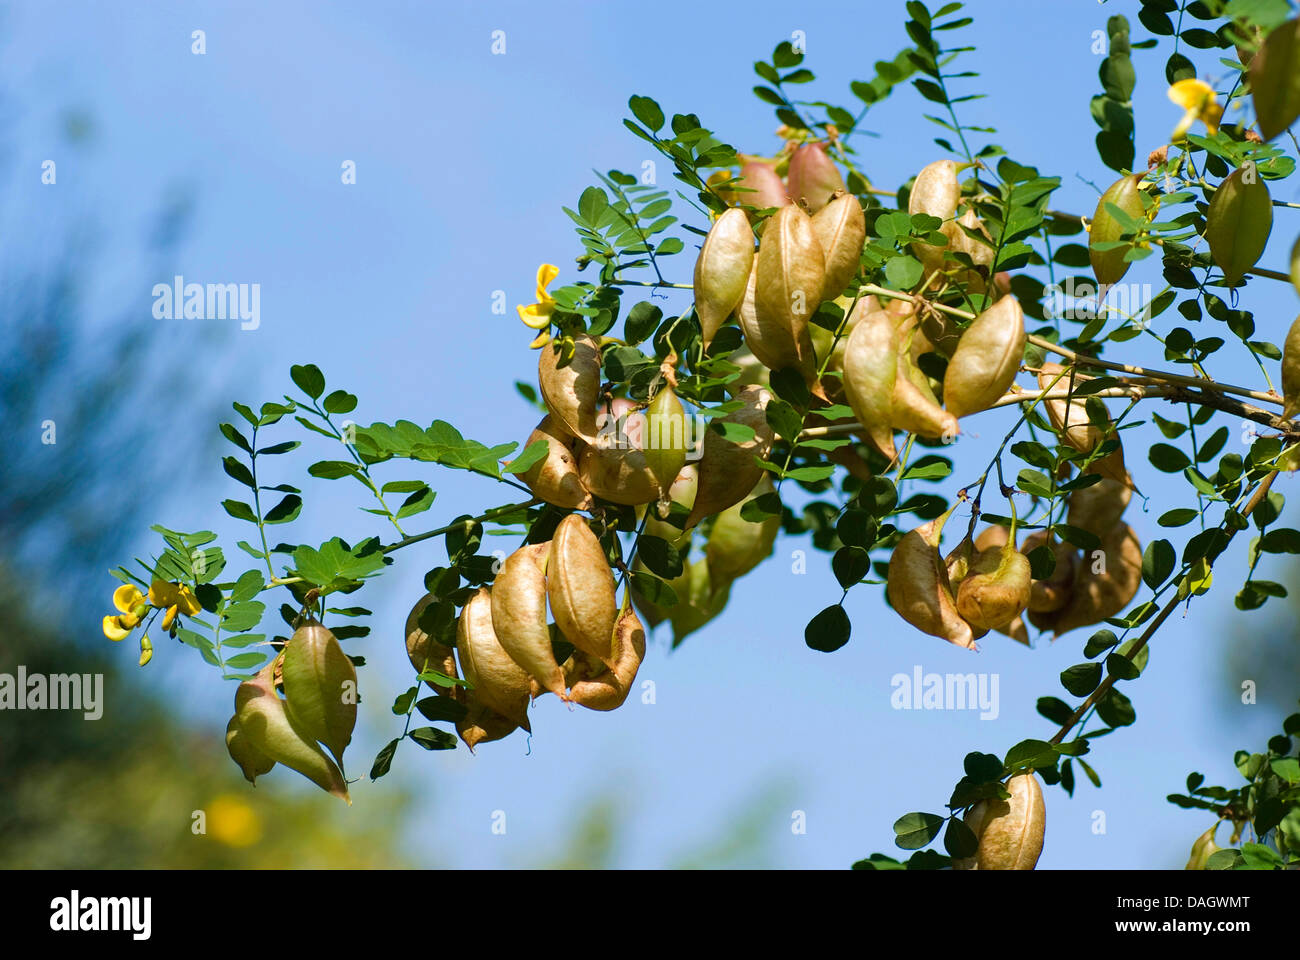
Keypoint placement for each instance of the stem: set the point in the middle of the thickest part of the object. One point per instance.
(489, 515)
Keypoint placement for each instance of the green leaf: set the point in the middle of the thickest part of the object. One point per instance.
(1031, 753)
(660, 557)
(1168, 459)
(647, 111)
(249, 585)
(1158, 562)
(850, 565)
(417, 502)
(439, 709)
(1115, 709)
(959, 840)
(284, 511)
(653, 589)
(1122, 667)
(234, 436)
(1054, 709)
(309, 379)
(384, 760)
(828, 631)
(239, 510)
(1081, 679)
(237, 471)
(431, 738)
(912, 831)
(340, 401)
(1178, 517)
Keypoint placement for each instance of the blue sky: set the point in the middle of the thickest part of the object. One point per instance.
(463, 160)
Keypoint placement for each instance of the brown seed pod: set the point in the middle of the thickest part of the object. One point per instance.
(1050, 595)
(770, 339)
(1274, 80)
(870, 370)
(571, 391)
(1010, 831)
(913, 407)
(813, 176)
(1238, 222)
(1068, 417)
(1291, 370)
(918, 587)
(1109, 266)
(791, 272)
(841, 230)
(959, 241)
(728, 469)
(935, 192)
(992, 538)
(581, 588)
(995, 589)
(607, 689)
(555, 478)
(722, 270)
(762, 186)
(1099, 507)
(1106, 580)
(482, 724)
(986, 359)
(735, 545)
(519, 615)
(824, 341)
(498, 682)
(614, 467)
(425, 653)
(320, 687)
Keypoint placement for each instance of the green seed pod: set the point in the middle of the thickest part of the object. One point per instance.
(680, 493)
(1238, 223)
(870, 372)
(665, 446)
(1295, 265)
(986, 359)
(722, 270)
(1203, 849)
(700, 598)
(841, 230)
(1275, 79)
(791, 272)
(320, 687)
(735, 545)
(1291, 371)
(272, 732)
(252, 762)
(813, 176)
(1109, 266)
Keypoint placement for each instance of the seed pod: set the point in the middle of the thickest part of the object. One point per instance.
(722, 270)
(813, 176)
(1109, 266)
(1068, 417)
(498, 682)
(824, 341)
(1291, 370)
(1203, 848)
(1099, 507)
(791, 271)
(555, 478)
(728, 469)
(959, 241)
(765, 186)
(735, 545)
(1052, 594)
(251, 761)
(482, 724)
(320, 687)
(271, 731)
(1107, 579)
(935, 192)
(1275, 81)
(1238, 223)
(986, 359)
(914, 409)
(958, 562)
(770, 340)
(571, 391)
(841, 230)
(681, 492)
(995, 589)
(581, 588)
(665, 447)
(425, 653)
(608, 689)
(992, 539)
(700, 597)
(1295, 265)
(519, 615)
(870, 371)
(1010, 832)
(918, 587)
(614, 467)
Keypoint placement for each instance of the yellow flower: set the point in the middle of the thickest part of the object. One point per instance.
(113, 628)
(131, 606)
(1199, 100)
(176, 597)
(538, 315)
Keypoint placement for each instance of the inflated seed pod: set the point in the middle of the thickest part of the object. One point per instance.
(1203, 848)
(722, 270)
(1291, 371)
(1010, 832)
(251, 761)
(959, 241)
(935, 192)
(728, 469)
(271, 732)
(1068, 417)
(1238, 223)
(986, 359)
(790, 273)
(736, 545)
(1099, 507)
(700, 598)
(918, 587)
(870, 371)
(666, 442)
(571, 391)
(770, 340)
(841, 230)
(555, 478)
(614, 467)
(1273, 79)
(914, 409)
(1109, 266)
(813, 176)
(764, 187)
(996, 587)
(581, 587)
(519, 615)
(320, 687)
(1051, 595)
(426, 653)
(1106, 580)
(482, 724)
(608, 689)
(1295, 265)
(993, 538)
(498, 683)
